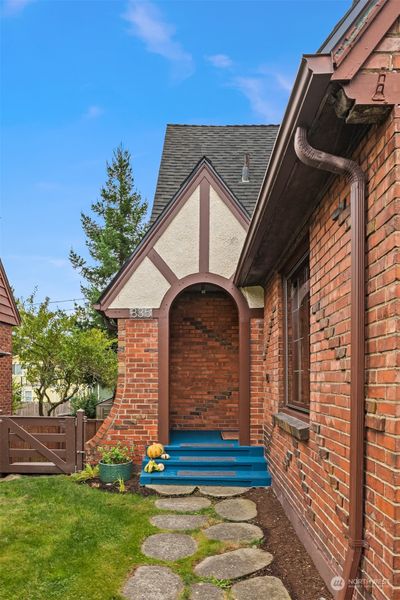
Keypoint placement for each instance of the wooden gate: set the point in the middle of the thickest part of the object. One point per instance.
(44, 444)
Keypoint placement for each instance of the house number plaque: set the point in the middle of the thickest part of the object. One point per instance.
(140, 313)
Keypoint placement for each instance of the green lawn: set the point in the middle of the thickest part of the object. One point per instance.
(60, 540)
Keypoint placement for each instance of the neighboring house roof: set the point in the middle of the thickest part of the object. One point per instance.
(8, 309)
(225, 146)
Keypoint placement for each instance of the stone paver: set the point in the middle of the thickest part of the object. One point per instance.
(172, 490)
(237, 509)
(153, 583)
(205, 591)
(237, 532)
(260, 587)
(191, 504)
(169, 546)
(220, 491)
(233, 565)
(179, 522)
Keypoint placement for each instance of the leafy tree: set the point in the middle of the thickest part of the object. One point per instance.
(113, 232)
(60, 355)
(16, 398)
(87, 402)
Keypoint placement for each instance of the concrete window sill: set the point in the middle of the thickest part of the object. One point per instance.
(295, 427)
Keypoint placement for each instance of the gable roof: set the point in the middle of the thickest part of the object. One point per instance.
(8, 309)
(202, 170)
(225, 147)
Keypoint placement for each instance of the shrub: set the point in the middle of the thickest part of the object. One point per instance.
(87, 402)
(115, 455)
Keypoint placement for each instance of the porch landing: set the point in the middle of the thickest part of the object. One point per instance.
(205, 458)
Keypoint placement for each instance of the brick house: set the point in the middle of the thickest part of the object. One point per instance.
(264, 305)
(9, 317)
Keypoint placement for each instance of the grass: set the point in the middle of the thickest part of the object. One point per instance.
(62, 540)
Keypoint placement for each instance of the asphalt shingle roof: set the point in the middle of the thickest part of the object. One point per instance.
(225, 147)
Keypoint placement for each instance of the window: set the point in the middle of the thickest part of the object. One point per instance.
(28, 396)
(17, 369)
(297, 336)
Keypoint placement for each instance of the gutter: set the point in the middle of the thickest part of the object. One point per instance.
(355, 176)
(311, 84)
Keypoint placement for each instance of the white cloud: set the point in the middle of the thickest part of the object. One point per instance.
(93, 112)
(254, 89)
(14, 7)
(286, 83)
(54, 261)
(220, 61)
(158, 36)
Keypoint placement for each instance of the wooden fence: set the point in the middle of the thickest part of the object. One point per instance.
(44, 444)
(31, 409)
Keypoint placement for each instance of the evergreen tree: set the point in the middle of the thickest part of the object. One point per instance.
(113, 232)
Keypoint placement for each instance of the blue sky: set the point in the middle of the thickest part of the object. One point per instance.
(80, 76)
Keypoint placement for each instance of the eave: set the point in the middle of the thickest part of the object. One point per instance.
(309, 92)
(336, 102)
(9, 313)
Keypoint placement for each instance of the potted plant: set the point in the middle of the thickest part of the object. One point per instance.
(115, 463)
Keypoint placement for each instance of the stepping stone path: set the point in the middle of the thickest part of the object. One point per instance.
(233, 565)
(238, 509)
(220, 491)
(153, 583)
(179, 522)
(191, 504)
(260, 587)
(236, 532)
(172, 490)
(161, 583)
(169, 546)
(205, 591)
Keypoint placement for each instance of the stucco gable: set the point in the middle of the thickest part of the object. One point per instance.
(202, 230)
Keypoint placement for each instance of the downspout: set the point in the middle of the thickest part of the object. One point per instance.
(355, 176)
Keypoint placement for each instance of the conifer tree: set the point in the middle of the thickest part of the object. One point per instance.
(113, 231)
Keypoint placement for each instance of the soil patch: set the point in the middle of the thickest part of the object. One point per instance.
(291, 562)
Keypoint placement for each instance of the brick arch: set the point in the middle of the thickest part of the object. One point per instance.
(244, 350)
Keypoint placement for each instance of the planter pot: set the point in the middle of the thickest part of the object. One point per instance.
(110, 473)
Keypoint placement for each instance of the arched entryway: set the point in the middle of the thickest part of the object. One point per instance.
(175, 306)
(204, 361)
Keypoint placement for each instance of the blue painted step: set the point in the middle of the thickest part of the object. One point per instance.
(207, 463)
(204, 458)
(226, 478)
(213, 450)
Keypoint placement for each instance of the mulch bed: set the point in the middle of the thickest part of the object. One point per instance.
(291, 562)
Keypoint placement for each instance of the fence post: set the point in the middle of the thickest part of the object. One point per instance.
(80, 439)
(4, 452)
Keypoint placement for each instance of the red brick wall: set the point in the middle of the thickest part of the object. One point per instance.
(133, 417)
(313, 476)
(5, 368)
(204, 360)
(256, 381)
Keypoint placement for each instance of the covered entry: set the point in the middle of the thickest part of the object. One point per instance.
(204, 354)
(204, 361)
